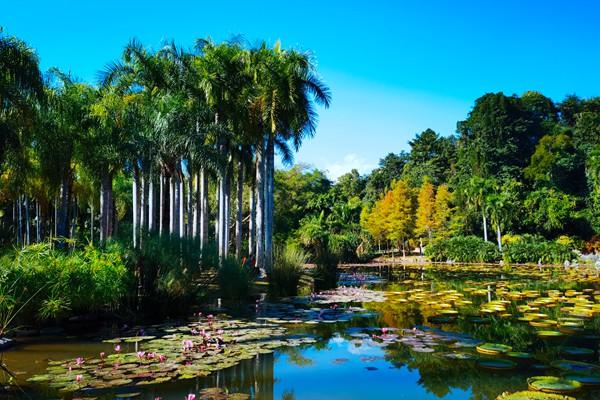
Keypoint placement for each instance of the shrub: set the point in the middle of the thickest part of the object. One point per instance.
(287, 270)
(51, 283)
(462, 249)
(325, 273)
(235, 280)
(531, 249)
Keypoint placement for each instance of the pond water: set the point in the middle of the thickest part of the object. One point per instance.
(410, 333)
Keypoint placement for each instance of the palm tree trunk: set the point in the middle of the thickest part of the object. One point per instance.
(172, 205)
(239, 205)
(27, 222)
(499, 237)
(226, 213)
(270, 171)
(181, 208)
(19, 222)
(162, 204)
(485, 233)
(197, 205)
(260, 205)
(203, 208)
(217, 216)
(135, 201)
(151, 210)
(37, 221)
(252, 220)
(190, 206)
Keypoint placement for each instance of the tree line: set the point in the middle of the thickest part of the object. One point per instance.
(517, 166)
(170, 142)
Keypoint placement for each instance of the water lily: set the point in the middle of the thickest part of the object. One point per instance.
(79, 360)
(141, 354)
(190, 396)
(78, 378)
(117, 348)
(102, 355)
(162, 358)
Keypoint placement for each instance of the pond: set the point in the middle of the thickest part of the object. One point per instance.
(420, 332)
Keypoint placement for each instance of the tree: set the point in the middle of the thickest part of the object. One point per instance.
(425, 211)
(399, 212)
(549, 210)
(430, 156)
(502, 205)
(379, 181)
(556, 162)
(442, 212)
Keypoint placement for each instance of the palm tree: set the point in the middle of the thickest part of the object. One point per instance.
(287, 90)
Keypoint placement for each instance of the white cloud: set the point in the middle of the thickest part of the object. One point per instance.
(348, 163)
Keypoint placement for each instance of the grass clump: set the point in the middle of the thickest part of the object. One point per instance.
(287, 269)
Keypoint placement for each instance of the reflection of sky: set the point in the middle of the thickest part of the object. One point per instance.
(326, 379)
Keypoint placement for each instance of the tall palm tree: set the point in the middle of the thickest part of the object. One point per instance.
(287, 90)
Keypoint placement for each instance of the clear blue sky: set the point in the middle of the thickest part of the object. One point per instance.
(395, 67)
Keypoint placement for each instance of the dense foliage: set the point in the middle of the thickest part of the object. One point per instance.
(40, 282)
(518, 165)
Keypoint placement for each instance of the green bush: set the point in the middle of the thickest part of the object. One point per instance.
(531, 249)
(235, 280)
(287, 270)
(52, 283)
(463, 249)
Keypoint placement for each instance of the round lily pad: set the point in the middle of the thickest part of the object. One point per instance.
(553, 384)
(493, 348)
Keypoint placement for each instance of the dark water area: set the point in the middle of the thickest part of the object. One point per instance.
(406, 347)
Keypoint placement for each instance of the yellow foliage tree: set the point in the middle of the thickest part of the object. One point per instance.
(400, 213)
(425, 210)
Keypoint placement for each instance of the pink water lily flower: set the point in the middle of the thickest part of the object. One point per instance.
(190, 396)
(118, 348)
(79, 360)
(78, 378)
(102, 355)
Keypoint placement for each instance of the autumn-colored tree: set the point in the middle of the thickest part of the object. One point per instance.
(399, 213)
(425, 211)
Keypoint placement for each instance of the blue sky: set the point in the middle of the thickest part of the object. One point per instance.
(395, 67)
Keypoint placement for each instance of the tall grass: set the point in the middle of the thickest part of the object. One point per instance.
(287, 269)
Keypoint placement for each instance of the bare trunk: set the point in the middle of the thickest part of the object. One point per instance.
(135, 201)
(197, 206)
(252, 220)
(226, 214)
(485, 234)
(239, 206)
(270, 170)
(151, 210)
(172, 205)
(217, 215)
(27, 222)
(499, 237)
(203, 208)
(260, 205)
(190, 207)
(20, 222)
(161, 206)
(181, 205)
